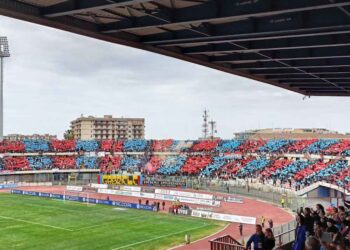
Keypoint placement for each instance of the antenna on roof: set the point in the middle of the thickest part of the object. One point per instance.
(205, 124)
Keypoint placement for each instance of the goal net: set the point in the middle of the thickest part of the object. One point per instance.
(77, 196)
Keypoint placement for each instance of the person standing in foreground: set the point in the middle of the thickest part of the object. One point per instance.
(257, 238)
(300, 233)
(269, 242)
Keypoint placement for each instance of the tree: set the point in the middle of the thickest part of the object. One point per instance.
(68, 134)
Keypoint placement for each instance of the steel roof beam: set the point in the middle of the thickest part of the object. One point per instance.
(305, 76)
(272, 27)
(225, 11)
(72, 7)
(272, 45)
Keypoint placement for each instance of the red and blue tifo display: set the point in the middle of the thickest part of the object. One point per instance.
(302, 162)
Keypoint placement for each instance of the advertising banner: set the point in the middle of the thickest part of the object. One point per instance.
(4, 186)
(74, 188)
(224, 217)
(95, 185)
(83, 199)
(234, 199)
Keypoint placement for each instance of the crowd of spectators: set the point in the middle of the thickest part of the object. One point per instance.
(317, 229)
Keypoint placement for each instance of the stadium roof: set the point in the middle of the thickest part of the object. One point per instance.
(299, 45)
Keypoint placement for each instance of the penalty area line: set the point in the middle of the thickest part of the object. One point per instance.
(35, 223)
(159, 237)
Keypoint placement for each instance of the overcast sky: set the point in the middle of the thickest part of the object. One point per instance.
(54, 76)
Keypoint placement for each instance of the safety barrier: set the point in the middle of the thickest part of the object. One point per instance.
(225, 242)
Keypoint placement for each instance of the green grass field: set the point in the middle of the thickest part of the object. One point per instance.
(39, 223)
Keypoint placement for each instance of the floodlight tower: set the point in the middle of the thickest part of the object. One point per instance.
(4, 52)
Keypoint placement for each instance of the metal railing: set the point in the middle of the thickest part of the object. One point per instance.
(225, 242)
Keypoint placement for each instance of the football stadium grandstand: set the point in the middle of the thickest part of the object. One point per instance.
(276, 193)
(294, 163)
(137, 169)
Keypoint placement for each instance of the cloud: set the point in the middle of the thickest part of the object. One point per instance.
(54, 76)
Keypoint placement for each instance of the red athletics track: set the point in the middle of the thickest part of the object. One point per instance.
(250, 207)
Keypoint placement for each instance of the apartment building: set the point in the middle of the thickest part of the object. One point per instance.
(108, 127)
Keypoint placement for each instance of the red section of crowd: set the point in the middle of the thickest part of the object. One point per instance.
(162, 145)
(110, 163)
(17, 163)
(194, 164)
(64, 162)
(250, 146)
(12, 146)
(205, 146)
(63, 146)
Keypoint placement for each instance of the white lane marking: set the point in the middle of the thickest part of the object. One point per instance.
(35, 223)
(159, 237)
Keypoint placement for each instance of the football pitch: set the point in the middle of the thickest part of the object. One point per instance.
(40, 223)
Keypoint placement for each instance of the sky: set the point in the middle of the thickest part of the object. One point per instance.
(54, 76)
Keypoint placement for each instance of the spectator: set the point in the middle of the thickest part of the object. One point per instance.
(312, 243)
(257, 239)
(163, 205)
(269, 242)
(240, 227)
(309, 221)
(270, 221)
(262, 220)
(300, 236)
(331, 228)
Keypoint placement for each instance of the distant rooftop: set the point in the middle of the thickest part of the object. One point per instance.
(291, 133)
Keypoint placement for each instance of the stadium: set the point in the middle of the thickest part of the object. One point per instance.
(210, 193)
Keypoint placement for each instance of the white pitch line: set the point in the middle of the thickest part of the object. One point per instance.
(35, 223)
(159, 237)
